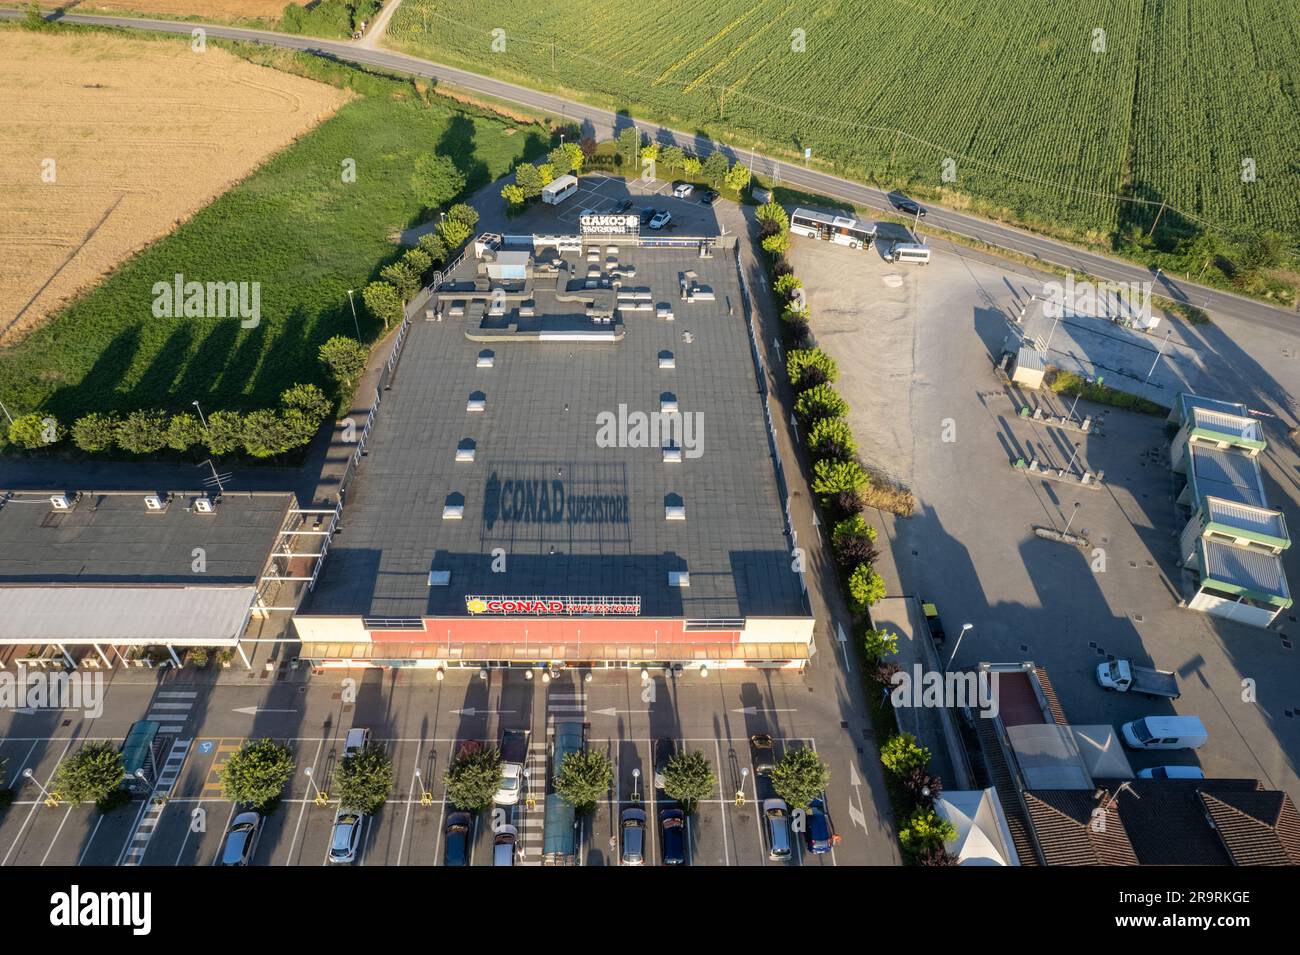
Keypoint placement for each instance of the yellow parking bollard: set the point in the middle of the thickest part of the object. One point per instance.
(740, 797)
(426, 799)
(322, 798)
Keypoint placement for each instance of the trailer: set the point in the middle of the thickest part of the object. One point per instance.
(933, 622)
(1123, 677)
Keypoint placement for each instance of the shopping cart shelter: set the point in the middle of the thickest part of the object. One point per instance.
(573, 467)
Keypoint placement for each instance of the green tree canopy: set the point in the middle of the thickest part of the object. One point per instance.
(225, 432)
(33, 431)
(473, 779)
(832, 438)
(96, 432)
(365, 779)
(185, 431)
(529, 180)
(810, 366)
(90, 774)
(584, 779)
(256, 774)
(866, 587)
(799, 777)
(345, 359)
(901, 754)
(820, 401)
(384, 302)
(436, 180)
(307, 398)
(688, 778)
(143, 431)
(715, 169)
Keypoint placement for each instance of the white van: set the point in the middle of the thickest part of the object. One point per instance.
(556, 191)
(1165, 732)
(910, 252)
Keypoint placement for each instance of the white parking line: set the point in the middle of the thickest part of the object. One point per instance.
(722, 792)
(303, 811)
(31, 812)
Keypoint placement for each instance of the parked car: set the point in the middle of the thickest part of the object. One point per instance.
(909, 207)
(1123, 676)
(661, 219)
(346, 837)
(355, 741)
(647, 214)
(632, 826)
(504, 846)
(665, 750)
(762, 754)
(672, 826)
(1165, 732)
(514, 754)
(776, 816)
(625, 205)
(682, 189)
(708, 198)
(1171, 772)
(456, 836)
(818, 832)
(241, 839)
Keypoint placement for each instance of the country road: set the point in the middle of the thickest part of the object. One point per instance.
(600, 122)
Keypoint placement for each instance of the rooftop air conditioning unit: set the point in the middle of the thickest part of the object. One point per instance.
(204, 505)
(153, 502)
(60, 502)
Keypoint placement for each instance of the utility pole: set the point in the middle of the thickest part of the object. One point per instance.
(1158, 354)
(1158, 215)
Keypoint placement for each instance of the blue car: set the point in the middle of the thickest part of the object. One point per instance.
(818, 832)
(459, 830)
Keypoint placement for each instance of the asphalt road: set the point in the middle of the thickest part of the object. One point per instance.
(604, 123)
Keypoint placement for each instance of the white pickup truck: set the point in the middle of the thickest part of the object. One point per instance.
(1123, 677)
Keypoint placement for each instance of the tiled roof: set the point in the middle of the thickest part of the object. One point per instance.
(1004, 782)
(1257, 828)
(1069, 833)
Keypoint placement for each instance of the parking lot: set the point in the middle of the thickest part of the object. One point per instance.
(716, 716)
(915, 348)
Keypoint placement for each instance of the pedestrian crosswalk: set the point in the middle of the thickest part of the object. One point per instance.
(566, 705)
(171, 708)
(529, 813)
(148, 822)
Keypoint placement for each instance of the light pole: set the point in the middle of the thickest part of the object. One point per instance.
(201, 418)
(740, 793)
(1072, 517)
(307, 771)
(1159, 353)
(964, 628)
(355, 323)
(636, 785)
(27, 774)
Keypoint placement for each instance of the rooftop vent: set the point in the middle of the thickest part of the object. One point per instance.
(453, 512)
(668, 403)
(672, 455)
(465, 452)
(477, 402)
(153, 502)
(486, 359)
(675, 512)
(666, 360)
(679, 578)
(204, 505)
(60, 502)
(439, 578)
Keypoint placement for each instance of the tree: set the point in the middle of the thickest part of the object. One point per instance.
(384, 302)
(473, 779)
(1200, 251)
(925, 831)
(866, 587)
(256, 774)
(820, 401)
(576, 157)
(365, 779)
(436, 180)
(546, 172)
(433, 247)
(778, 243)
(584, 778)
(529, 180)
(458, 225)
(1264, 250)
(854, 526)
(559, 160)
(588, 145)
(402, 278)
(266, 433)
(800, 777)
(514, 197)
(810, 366)
(854, 550)
(772, 212)
(671, 158)
(629, 145)
(225, 432)
(879, 643)
(691, 167)
(715, 168)
(463, 213)
(298, 427)
(95, 432)
(786, 285)
(738, 177)
(143, 432)
(418, 261)
(32, 431)
(184, 431)
(688, 778)
(308, 399)
(345, 359)
(900, 754)
(832, 438)
(90, 774)
(923, 786)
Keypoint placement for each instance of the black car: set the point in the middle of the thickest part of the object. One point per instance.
(672, 827)
(624, 205)
(761, 753)
(708, 198)
(909, 207)
(458, 832)
(647, 214)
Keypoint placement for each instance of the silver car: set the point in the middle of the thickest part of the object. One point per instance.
(241, 839)
(346, 837)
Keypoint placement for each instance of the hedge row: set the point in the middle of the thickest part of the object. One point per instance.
(401, 281)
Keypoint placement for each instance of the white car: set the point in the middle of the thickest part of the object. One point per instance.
(1171, 772)
(345, 840)
(661, 219)
(683, 189)
(511, 784)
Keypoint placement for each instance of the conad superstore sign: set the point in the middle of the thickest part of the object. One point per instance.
(610, 224)
(562, 606)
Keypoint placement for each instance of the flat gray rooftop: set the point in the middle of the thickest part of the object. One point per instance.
(115, 539)
(571, 517)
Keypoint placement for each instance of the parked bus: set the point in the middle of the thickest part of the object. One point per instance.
(910, 252)
(560, 827)
(555, 192)
(829, 228)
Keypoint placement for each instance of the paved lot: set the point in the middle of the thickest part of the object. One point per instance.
(422, 722)
(915, 348)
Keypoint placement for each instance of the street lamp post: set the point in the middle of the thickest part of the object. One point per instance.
(1160, 352)
(955, 646)
(355, 323)
(201, 418)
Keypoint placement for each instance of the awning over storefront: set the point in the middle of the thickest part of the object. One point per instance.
(670, 652)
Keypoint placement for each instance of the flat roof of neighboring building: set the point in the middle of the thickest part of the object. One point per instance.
(1259, 521)
(571, 517)
(1226, 473)
(112, 538)
(1188, 403)
(1252, 572)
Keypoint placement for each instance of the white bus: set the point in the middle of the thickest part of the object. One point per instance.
(845, 231)
(556, 191)
(910, 252)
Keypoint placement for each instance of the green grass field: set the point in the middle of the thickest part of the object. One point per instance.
(294, 226)
(1041, 125)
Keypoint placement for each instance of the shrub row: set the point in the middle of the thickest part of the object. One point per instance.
(399, 282)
